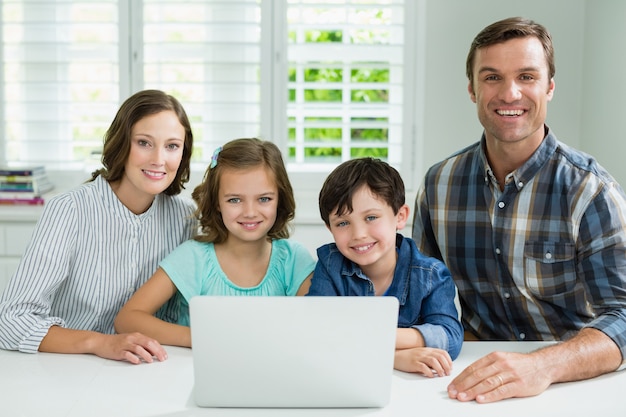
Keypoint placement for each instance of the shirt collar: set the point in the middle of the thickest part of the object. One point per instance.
(399, 284)
(117, 207)
(529, 169)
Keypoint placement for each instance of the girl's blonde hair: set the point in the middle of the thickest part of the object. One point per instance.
(242, 153)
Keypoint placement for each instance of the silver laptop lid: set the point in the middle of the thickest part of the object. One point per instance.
(293, 351)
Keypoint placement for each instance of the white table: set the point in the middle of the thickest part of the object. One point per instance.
(84, 385)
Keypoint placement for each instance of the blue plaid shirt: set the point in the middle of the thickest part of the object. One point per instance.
(541, 259)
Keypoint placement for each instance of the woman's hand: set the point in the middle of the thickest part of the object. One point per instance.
(132, 347)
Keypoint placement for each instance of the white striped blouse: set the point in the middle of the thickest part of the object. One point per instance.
(87, 256)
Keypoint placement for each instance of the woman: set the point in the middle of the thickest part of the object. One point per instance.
(95, 245)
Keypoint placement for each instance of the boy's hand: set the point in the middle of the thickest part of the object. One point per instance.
(426, 361)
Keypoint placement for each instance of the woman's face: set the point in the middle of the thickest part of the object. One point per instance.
(156, 151)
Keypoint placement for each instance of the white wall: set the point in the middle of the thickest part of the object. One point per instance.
(604, 85)
(450, 121)
(590, 98)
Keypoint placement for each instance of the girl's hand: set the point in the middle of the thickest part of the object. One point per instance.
(426, 361)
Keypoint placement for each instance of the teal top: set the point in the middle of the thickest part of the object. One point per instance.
(194, 269)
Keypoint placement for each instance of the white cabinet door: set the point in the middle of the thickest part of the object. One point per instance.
(14, 237)
(17, 236)
(7, 268)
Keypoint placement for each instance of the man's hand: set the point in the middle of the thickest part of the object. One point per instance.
(500, 375)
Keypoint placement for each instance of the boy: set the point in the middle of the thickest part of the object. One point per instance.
(362, 203)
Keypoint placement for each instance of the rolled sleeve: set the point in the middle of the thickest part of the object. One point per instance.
(434, 336)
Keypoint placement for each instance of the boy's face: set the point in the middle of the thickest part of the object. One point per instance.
(367, 236)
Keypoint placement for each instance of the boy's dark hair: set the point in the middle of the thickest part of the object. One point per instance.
(382, 179)
(117, 138)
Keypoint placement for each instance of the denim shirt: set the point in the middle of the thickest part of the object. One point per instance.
(422, 285)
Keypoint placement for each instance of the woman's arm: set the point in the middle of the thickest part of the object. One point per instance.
(137, 315)
(26, 302)
(133, 347)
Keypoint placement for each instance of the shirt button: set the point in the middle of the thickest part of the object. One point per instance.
(498, 251)
(522, 336)
(520, 184)
(501, 204)
(548, 255)
(507, 295)
(130, 290)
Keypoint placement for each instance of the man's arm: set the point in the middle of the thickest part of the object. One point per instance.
(501, 375)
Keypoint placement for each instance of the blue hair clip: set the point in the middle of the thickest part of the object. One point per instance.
(214, 157)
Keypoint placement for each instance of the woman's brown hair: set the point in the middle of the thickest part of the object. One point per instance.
(117, 138)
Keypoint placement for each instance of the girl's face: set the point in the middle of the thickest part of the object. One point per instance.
(156, 151)
(248, 202)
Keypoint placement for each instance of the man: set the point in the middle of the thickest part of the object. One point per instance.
(532, 231)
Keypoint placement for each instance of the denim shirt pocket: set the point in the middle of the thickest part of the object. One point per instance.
(550, 269)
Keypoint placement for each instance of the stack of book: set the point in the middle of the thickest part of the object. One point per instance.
(24, 185)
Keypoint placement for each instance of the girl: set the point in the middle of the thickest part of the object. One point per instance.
(95, 245)
(244, 205)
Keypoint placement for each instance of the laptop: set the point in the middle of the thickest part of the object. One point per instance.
(293, 352)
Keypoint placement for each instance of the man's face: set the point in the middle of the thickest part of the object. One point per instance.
(511, 90)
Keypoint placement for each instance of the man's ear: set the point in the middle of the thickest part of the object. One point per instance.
(470, 90)
(551, 89)
(402, 217)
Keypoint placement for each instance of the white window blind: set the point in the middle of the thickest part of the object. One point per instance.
(345, 81)
(323, 78)
(59, 79)
(208, 54)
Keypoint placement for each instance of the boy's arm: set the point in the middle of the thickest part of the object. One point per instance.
(137, 315)
(440, 326)
(410, 337)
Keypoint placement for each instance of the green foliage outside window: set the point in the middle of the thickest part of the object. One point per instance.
(325, 85)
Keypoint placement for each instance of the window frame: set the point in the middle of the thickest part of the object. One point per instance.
(273, 78)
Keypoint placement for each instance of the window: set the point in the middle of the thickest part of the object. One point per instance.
(59, 79)
(207, 54)
(345, 79)
(326, 79)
